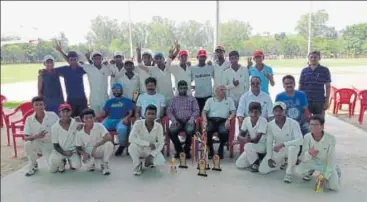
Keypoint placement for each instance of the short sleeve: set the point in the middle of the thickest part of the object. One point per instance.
(244, 125)
(130, 105)
(207, 105)
(27, 127)
(328, 76)
(270, 71)
(277, 98)
(60, 70)
(106, 106)
(138, 102)
(78, 139)
(54, 134)
(102, 130)
(263, 125)
(231, 106)
(304, 101)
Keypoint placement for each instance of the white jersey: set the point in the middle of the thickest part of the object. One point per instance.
(242, 76)
(65, 138)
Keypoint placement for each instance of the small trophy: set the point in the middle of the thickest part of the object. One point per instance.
(202, 170)
(135, 95)
(216, 162)
(183, 160)
(172, 163)
(319, 183)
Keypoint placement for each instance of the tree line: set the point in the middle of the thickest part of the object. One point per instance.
(109, 35)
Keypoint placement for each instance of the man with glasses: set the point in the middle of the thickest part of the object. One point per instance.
(182, 112)
(254, 95)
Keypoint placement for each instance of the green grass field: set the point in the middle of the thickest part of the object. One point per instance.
(29, 72)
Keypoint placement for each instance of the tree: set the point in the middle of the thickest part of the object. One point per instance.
(355, 37)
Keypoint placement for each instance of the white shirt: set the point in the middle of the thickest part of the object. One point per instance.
(260, 127)
(142, 137)
(216, 108)
(264, 100)
(98, 81)
(143, 75)
(290, 135)
(96, 135)
(32, 126)
(130, 85)
(218, 72)
(179, 74)
(65, 138)
(116, 73)
(242, 76)
(145, 99)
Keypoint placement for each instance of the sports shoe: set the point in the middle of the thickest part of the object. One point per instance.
(105, 169)
(307, 176)
(254, 168)
(288, 178)
(138, 170)
(91, 164)
(61, 168)
(119, 151)
(31, 169)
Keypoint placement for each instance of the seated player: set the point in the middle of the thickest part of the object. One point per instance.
(63, 138)
(146, 141)
(182, 111)
(283, 140)
(319, 155)
(118, 111)
(217, 115)
(93, 142)
(254, 129)
(37, 134)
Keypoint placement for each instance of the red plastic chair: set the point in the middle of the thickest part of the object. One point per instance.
(20, 132)
(363, 100)
(23, 108)
(345, 96)
(333, 95)
(113, 132)
(3, 100)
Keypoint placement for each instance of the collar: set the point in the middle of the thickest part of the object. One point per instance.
(34, 116)
(250, 92)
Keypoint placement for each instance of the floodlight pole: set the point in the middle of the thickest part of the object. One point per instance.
(309, 29)
(216, 29)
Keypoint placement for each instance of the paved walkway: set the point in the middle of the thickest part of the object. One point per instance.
(229, 185)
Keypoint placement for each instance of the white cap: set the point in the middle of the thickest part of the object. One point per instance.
(118, 53)
(147, 52)
(280, 104)
(95, 53)
(48, 57)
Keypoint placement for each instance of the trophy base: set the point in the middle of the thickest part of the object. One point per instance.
(183, 166)
(217, 169)
(207, 168)
(202, 174)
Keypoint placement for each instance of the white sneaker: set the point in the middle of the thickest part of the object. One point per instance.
(61, 168)
(138, 170)
(32, 168)
(105, 169)
(307, 176)
(288, 178)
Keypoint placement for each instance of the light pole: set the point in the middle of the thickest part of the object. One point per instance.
(309, 29)
(216, 29)
(130, 35)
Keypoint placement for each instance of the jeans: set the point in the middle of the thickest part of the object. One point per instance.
(121, 129)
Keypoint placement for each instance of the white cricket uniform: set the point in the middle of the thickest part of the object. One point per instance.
(218, 73)
(130, 85)
(291, 136)
(324, 162)
(44, 145)
(115, 76)
(251, 150)
(140, 139)
(87, 142)
(179, 74)
(242, 76)
(145, 99)
(164, 80)
(66, 139)
(248, 97)
(98, 83)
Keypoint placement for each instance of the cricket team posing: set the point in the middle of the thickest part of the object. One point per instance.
(287, 134)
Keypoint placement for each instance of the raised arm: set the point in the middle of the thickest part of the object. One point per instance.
(140, 61)
(62, 53)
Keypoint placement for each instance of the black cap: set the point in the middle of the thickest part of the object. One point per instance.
(72, 54)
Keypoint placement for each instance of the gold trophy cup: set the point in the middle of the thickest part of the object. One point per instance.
(216, 162)
(183, 160)
(135, 95)
(202, 170)
(173, 168)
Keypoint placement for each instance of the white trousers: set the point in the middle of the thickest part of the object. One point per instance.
(290, 152)
(333, 182)
(250, 154)
(31, 148)
(136, 152)
(56, 160)
(103, 152)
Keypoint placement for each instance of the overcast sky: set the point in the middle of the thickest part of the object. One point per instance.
(73, 18)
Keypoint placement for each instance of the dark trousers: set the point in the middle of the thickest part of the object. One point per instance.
(316, 107)
(217, 125)
(201, 102)
(175, 131)
(77, 105)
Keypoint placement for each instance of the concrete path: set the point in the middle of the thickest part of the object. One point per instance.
(229, 185)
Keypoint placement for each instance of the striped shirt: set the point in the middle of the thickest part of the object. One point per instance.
(183, 108)
(312, 82)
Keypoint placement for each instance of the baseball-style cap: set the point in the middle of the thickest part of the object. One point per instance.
(183, 52)
(220, 48)
(64, 106)
(117, 86)
(128, 61)
(159, 54)
(72, 54)
(147, 52)
(201, 52)
(94, 53)
(118, 53)
(258, 53)
(48, 57)
(280, 104)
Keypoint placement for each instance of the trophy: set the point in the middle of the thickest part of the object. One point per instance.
(183, 160)
(172, 163)
(202, 170)
(319, 183)
(135, 95)
(216, 162)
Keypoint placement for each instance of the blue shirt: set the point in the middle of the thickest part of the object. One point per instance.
(73, 79)
(294, 104)
(118, 108)
(312, 82)
(253, 71)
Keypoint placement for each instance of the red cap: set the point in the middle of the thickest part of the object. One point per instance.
(183, 52)
(220, 48)
(64, 106)
(201, 52)
(258, 53)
